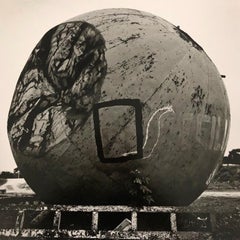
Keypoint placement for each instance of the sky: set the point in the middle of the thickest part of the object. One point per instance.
(213, 24)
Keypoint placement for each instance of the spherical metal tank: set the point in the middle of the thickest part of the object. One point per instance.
(116, 106)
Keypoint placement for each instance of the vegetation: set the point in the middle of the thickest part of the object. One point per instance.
(226, 174)
(7, 174)
(141, 193)
(233, 157)
(2, 181)
(228, 177)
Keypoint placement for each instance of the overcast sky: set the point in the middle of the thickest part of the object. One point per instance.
(214, 24)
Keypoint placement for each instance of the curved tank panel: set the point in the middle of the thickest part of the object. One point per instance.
(117, 106)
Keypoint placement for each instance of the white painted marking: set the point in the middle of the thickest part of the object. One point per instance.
(168, 109)
(126, 154)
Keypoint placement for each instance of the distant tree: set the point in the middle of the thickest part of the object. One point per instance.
(233, 157)
(6, 174)
(2, 181)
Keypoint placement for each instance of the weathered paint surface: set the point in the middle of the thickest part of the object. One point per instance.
(120, 54)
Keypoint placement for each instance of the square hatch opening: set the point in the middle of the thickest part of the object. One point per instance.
(118, 123)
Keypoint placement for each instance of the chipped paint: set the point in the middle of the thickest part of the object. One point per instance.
(197, 98)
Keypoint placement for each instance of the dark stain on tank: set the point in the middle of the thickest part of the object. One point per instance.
(132, 37)
(168, 90)
(197, 98)
(124, 65)
(208, 109)
(118, 41)
(178, 81)
(187, 38)
(135, 23)
(118, 20)
(103, 94)
(149, 62)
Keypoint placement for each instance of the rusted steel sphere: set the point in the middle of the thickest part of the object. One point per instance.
(118, 106)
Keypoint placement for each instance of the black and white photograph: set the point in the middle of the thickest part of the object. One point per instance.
(120, 119)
